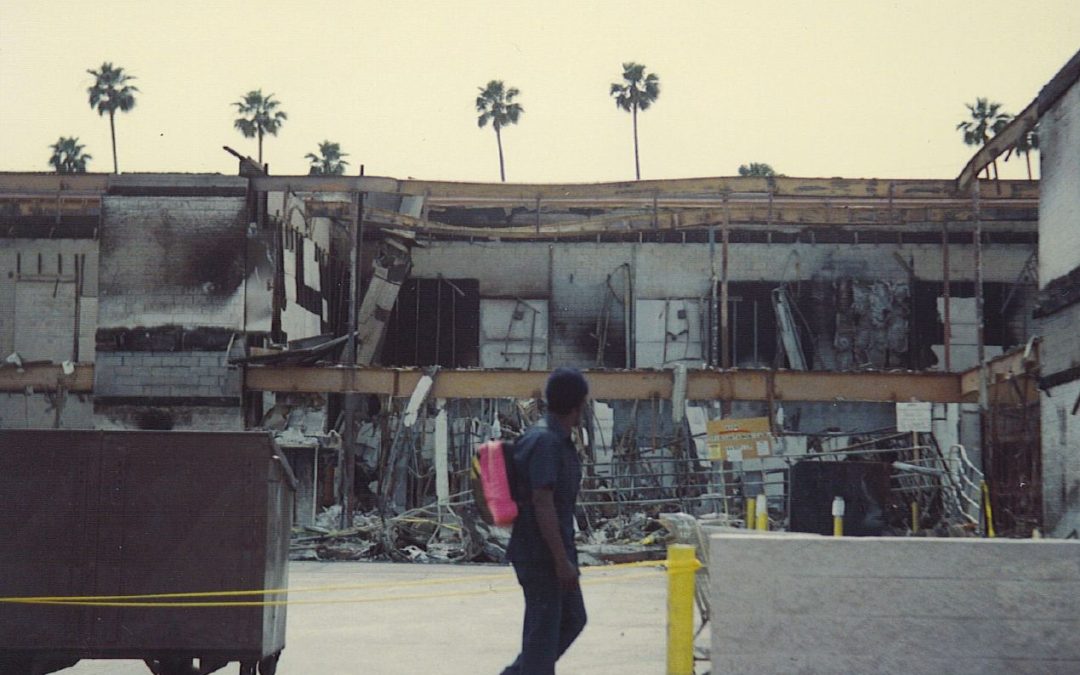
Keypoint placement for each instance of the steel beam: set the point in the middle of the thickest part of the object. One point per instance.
(690, 219)
(735, 385)
(998, 145)
(47, 377)
(479, 194)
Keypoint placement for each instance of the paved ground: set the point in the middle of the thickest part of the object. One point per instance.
(470, 625)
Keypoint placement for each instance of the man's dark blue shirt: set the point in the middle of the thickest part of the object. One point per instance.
(544, 457)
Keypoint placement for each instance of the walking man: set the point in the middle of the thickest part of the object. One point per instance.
(547, 475)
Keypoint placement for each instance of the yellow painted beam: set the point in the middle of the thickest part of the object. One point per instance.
(738, 385)
(47, 377)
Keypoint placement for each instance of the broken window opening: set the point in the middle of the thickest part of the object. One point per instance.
(435, 324)
(752, 334)
(1006, 321)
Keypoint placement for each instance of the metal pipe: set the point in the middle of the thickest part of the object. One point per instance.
(725, 346)
(947, 295)
(351, 400)
(984, 436)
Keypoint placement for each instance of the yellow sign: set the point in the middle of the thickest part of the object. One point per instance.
(733, 440)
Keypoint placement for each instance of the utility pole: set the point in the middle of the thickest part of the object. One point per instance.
(348, 468)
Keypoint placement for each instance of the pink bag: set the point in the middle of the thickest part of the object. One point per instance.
(491, 484)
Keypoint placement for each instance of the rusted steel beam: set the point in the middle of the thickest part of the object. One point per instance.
(47, 377)
(737, 385)
(998, 145)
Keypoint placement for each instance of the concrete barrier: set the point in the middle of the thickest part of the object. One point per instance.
(807, 604)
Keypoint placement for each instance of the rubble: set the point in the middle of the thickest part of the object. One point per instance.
(425, 536)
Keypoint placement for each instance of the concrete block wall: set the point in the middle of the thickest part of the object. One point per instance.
(190, 374)
(172, 260)
(46, 411)
(786, 603)
(178, 418)
(23, 292)
(1059, 188)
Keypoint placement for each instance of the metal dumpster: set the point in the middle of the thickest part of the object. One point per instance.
(96, 513)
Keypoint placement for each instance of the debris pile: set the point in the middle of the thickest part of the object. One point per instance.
(427, 535)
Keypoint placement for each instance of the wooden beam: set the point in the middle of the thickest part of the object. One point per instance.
(47, 377)
(736, 385)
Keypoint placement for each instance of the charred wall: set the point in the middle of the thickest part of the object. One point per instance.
(174, 261)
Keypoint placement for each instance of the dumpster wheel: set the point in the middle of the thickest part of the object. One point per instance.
(266, 666)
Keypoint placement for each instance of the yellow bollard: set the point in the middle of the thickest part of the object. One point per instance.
(681, 568)
(914, 517)
(762, 509)
(988, 511)
(838, 516)
(751, 513)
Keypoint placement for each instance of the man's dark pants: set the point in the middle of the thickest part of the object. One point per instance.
(553, 619)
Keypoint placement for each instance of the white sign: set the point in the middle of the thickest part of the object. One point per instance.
(914, 416)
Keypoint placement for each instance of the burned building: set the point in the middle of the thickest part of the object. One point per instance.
(214, 302)
(1057, 313)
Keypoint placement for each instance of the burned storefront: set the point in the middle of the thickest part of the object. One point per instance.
(381, 328)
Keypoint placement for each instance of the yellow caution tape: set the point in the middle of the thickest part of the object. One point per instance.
(101, 601)
(140, 599)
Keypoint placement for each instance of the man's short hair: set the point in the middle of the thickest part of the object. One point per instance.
(566, 389)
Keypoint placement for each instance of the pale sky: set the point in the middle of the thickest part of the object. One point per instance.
(857, 89)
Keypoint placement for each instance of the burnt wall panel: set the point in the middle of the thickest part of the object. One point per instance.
(172, 260)
(587, 284)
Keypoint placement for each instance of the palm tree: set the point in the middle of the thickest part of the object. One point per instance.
(756, 169)
(68, 156)
(261, 116)
(329, 161)
(1024, 146)
(637, 92)
(496, 105)
(109, 93)
(986, 119)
